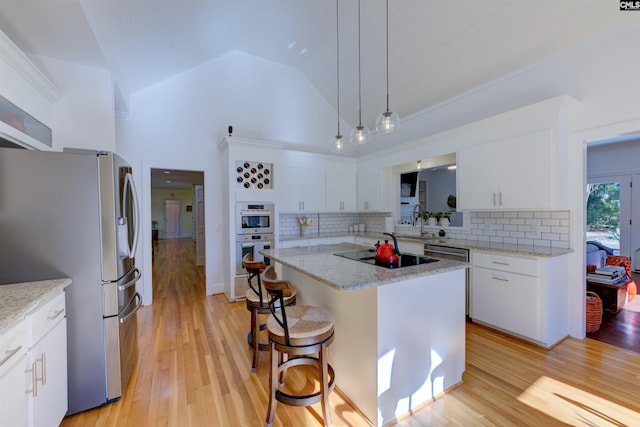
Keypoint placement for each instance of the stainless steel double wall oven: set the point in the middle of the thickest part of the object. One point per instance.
(255, 225)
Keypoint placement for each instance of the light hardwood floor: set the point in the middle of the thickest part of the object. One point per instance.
(195, 370)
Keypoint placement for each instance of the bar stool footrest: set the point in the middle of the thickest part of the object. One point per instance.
(307, 399)
(262, 346)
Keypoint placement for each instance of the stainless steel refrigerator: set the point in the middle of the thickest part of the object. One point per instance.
(75, 215)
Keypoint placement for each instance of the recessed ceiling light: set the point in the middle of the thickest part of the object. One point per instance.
(303, 51)
(291, 45)
(168, 181)
(167, 172)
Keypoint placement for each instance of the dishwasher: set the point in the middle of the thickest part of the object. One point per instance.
(452, 253)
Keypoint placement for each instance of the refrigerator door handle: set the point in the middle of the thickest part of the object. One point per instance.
(137, 274)
(129, 182)
(126, 317)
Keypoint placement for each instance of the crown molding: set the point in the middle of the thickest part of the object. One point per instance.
(13, 56)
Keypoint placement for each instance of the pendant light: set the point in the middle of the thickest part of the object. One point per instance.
(360, 133)
(387, 122)
(337, 143)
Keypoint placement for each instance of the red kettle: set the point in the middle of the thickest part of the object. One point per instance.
(387, 253)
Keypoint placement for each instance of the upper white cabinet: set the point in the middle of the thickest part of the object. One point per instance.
(308, 182)
(368, 189)
(32, 94)
(301, 189)
(513, 173)
(341, 186)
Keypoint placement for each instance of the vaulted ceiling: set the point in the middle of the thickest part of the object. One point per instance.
(438, 49)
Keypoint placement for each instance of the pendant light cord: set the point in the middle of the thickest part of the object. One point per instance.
(359, 75)
(387, 54)
(338, 63)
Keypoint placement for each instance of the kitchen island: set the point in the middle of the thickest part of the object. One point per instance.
(399, 333)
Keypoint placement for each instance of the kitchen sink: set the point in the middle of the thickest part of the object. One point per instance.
(368, 256)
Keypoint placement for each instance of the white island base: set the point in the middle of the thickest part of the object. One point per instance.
(397, 346)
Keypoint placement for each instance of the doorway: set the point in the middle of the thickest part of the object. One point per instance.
(177, 207)
(609, 227)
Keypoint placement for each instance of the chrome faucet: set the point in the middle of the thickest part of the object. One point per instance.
(421, 213)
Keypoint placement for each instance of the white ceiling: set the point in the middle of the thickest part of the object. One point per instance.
(438, 48)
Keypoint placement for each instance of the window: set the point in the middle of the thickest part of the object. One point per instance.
(609, 213)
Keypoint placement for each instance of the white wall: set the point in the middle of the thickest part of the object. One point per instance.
(84, 116)
(179, 122)
(613, 159)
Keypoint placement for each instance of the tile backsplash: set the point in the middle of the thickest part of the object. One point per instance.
(529, 228)
(332, 222)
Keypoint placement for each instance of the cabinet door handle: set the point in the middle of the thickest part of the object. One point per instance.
(34, 380)
(9, 354)
(43, 361)
(502, 279)
(500, 198)
(55, 314)
(499, 262)
(494, 199)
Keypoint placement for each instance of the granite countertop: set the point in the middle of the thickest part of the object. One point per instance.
(540, 251)
(18, 299)
(319, 263)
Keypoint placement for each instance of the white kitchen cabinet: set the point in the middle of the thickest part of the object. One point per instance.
(523, 295)
(513, 173)
(47, 359)
(368, 189)
(341, 187)
(14, 403)
(33, 367)
(301, 189)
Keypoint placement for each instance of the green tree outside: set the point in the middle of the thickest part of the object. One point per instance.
(603, 207)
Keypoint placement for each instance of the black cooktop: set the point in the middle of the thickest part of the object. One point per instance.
(368, 256)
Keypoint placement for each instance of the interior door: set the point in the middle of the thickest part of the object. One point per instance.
(171, 218)
(199, 226)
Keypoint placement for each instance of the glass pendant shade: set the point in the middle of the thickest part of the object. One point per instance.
(359, 135)
(387, 122)
(338, 144)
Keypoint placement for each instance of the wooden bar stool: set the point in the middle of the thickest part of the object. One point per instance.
(258, 303)
(304, 333)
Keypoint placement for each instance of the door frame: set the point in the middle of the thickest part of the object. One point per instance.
(577, 177)
(146, 239)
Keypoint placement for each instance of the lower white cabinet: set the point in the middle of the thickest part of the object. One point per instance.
(48, 363)
(523, 295)
(14, 403)
(33, 368)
